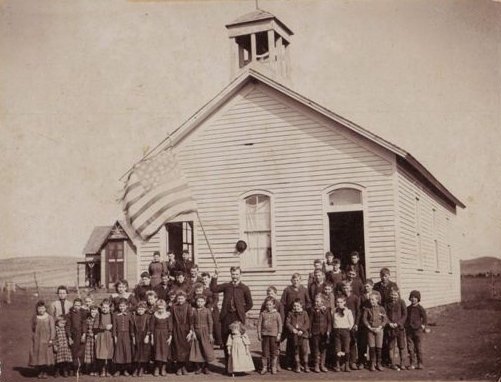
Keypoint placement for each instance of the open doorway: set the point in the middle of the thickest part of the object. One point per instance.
(346, 233)
(179, 238)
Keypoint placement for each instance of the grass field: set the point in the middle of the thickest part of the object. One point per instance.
(48, 270)
(464, 344)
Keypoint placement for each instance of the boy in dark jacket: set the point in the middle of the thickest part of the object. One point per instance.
(321, 323)
(74, 329)
(415, 326)
(385, 286)
(298, 327)
(394, 331)
(355, 265)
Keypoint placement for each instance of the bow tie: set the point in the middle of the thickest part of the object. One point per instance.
(340, 311)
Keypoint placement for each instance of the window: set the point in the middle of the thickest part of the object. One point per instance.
(434, 228)
(188, 237)
(437, 256)
(449, 249)
(419, 253)
(257, 233)
(345, 197)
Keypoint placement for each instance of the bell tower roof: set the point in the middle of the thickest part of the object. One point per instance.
(258, 15)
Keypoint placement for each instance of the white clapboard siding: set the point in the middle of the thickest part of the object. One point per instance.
(260, 141)
(145, 251)
(439, 283)
(131, 260)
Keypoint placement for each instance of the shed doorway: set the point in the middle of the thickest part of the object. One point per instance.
(180, 238)
(346, 234)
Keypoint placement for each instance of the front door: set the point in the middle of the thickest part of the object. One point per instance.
(180, 237)
(346, 231)
(114, 261)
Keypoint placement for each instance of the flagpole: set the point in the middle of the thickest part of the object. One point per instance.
(207, 240)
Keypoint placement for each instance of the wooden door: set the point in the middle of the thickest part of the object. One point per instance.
(114, 261)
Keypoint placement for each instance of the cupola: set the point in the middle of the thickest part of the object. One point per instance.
(260, 41)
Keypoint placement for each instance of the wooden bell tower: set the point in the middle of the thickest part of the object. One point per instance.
(259, 40)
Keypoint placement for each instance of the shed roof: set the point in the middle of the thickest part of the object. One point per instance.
(99, 235)
(251, 74)
(96, 239)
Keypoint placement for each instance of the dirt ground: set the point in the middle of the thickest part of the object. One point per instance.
(464, 344)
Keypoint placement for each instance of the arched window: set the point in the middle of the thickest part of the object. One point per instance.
(256, 228)
(345, 197)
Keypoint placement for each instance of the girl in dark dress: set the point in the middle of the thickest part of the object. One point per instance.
(141, 338)
(104, 338)
(161, 330)
(202, 351)
(122, 333)
(181, 322)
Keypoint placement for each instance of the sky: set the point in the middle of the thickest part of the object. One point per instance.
(87, 86)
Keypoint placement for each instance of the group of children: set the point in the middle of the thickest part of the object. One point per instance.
(342, 320)
(172, 318)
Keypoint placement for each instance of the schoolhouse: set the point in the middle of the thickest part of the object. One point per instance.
(293, 180)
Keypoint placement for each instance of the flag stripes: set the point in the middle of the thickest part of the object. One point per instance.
(155, 193)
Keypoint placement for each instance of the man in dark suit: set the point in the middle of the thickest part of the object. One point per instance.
(237, 301)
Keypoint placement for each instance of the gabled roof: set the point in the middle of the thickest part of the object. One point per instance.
(250, 75)
(257, 15)
(99, 235)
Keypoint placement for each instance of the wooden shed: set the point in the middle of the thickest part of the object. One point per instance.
(294, 180)
(110, 255)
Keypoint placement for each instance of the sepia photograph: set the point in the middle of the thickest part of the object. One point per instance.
(250, 189)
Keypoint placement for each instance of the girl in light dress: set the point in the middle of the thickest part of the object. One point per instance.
(238, 345)
(64, 358)
(43, 334)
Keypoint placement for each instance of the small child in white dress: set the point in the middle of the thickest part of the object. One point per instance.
(238, 345)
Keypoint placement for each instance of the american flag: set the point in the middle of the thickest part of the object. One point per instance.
(156, 192)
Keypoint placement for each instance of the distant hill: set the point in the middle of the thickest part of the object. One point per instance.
(50, 270)
(480, 265)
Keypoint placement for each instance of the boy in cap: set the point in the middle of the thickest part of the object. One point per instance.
(415, 326)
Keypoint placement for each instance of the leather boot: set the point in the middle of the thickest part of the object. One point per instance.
(297, 364)
(316, 367)
(347, 363)
(337, 367)
(379, 359)
(372, 356)
(306, 366)
(274, 362)
(322, 362)
(264, 369)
